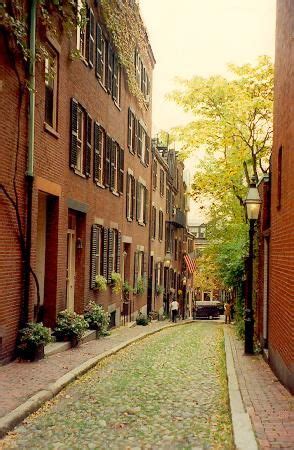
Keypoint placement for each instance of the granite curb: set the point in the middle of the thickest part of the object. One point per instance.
(243, 432)
(13, 418)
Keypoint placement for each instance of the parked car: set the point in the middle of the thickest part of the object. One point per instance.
(207, 310)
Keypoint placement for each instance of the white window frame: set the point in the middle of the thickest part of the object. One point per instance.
(81, 34)
(98, 255)
(51, 66)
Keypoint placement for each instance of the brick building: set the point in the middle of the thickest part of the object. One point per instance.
(275, 307)
(91, 180)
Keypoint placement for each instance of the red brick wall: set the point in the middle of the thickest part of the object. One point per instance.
(10, 255)
(76, 80)
(281, 293)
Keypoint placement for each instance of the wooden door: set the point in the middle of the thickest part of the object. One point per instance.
(71, 269)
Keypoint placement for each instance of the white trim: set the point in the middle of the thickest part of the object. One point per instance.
(142, 181)
(98, 221)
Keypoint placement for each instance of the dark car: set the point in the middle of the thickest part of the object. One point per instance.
(207, 310)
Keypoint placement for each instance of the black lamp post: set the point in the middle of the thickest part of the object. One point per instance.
(252, 203)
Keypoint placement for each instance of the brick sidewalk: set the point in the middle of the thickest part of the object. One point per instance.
(269, 404)
(20, 380)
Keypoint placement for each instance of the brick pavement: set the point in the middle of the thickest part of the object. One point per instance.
(20, 380)
(269, 405)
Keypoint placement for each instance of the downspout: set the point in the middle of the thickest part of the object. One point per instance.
(30, 160)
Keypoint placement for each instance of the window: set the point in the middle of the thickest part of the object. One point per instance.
(142, 76)
(280, 164)
(139, 269)
(145, 147)
(141, 203)
(116, 168)
(101, 53)
(153, 230)
(51, 80)
(154, 174)
(81, 32)
(161, 182)
(160, 228)
(130, 197)
(114, 245)
(96, 254)
(116, 80)
(81, 139)
(131, 132)
(85, 35)
(176, 249)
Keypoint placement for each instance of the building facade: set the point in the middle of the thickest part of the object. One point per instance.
(275, 308)
(91, 179)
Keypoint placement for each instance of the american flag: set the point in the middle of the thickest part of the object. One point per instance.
(190, 263)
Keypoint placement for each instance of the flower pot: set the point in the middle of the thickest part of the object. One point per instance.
(32, 352)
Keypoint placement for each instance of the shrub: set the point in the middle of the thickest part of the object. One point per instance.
(116, 282)
(35, 334)
(96, 317)
(142, 319)
(101, 283)
(70, 325)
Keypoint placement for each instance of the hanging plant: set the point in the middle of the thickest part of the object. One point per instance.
(123, 21)
(100, 283)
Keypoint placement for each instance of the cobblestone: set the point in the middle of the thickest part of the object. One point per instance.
(166, 392)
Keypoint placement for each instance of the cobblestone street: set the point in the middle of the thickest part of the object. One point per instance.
(168, 391)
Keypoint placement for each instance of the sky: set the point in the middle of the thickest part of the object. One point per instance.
(199, 37)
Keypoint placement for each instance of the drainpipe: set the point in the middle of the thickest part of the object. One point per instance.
(30, 161)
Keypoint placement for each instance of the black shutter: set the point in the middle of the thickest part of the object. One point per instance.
(128, 196)
(145, 206)
(110, 254)
(98, 51)
(136, 131)
(112, 164)
(97, 157)
(121, 171)
(90, 30)
(133, 199)
(107, 161)
(138, 199)
(110, 69)
(74, 133)
(147, 150)
(105, 253)
(88, 145)
(118, 251)
(93, 269)
(129, 128)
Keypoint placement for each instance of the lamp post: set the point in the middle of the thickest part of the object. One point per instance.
(252, 203)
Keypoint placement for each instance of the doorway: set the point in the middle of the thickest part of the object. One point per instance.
(71, 263)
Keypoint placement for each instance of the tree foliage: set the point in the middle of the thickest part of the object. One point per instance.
(233, 126)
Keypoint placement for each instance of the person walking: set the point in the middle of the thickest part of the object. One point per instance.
(227, 312)
(174, 307)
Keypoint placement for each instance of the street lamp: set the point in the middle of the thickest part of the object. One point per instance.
(167, 259)
(252, 203)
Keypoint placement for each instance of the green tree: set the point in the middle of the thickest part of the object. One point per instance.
(233, 125)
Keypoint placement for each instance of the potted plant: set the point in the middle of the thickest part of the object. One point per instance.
(97, 318)
(140, 287)
(159, 290)
(116, 282)
(100, 283)
(70, 326)
(142, 319)
(33, 339)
